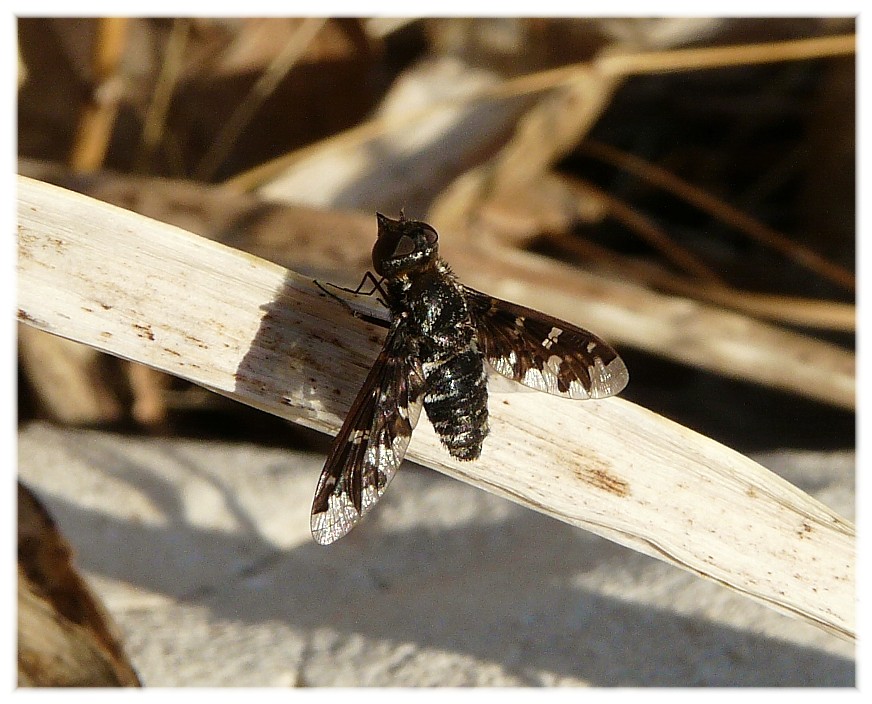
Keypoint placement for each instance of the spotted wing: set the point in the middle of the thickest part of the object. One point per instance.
(372, 442)
(545, 353)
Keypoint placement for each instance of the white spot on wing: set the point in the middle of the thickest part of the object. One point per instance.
(359, 436)
(552, 338)
(553, 365)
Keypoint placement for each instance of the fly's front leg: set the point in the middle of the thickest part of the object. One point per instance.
(376, 287)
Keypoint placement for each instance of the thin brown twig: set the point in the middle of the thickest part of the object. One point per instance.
(628, 64)
(98, 117)
(790, 310)
(704, 201)
(155, 117)
(647, 230)
(722, 56)
(260, 91)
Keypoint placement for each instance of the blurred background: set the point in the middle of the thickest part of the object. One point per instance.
(683, 187)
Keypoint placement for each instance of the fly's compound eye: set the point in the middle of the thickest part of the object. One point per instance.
(429, 234)
(405, 247)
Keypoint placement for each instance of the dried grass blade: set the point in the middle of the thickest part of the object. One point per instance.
(156, 294)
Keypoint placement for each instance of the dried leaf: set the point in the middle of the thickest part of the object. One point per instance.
(267, 337)
(65, 636)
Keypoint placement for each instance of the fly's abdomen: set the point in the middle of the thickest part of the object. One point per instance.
(456, 401)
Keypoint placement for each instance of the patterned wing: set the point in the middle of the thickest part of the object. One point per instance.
(545, 353)
(372, 442)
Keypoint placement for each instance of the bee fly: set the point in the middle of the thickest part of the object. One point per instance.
(441, 335)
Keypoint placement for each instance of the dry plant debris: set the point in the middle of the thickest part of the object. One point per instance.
(270, 338)
(682, 186)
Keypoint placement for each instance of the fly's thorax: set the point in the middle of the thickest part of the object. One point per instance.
(441, 315)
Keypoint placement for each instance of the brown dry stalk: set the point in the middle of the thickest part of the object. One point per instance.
(260, 91)
(704, 201)
(655, 236)
(789, 310)
(723, 56)
(155, 117)
(98, 117)
(629, 64)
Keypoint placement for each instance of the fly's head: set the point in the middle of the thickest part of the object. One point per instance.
(403, 246)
